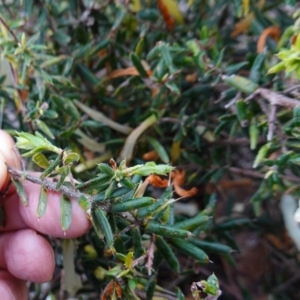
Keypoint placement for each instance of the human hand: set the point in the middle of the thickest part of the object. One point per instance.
(24, 253)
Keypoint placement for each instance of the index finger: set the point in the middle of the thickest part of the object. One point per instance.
(9, 156)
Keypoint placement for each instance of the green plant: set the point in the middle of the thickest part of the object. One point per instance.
(84, 81)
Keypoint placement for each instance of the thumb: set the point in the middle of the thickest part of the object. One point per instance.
(9, 156)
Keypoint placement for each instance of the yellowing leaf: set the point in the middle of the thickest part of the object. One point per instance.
(127, 151)
(246, 7)
(129, 260)
(173, 10)
(244, 24)
(130, 71)
(175, 151)
(272, 31)
(135, 5)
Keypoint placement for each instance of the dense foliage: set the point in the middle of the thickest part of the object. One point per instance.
(195, 101)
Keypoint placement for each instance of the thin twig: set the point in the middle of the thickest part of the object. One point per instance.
(8, 29)
(274, 98)
(259, 175)
(70, 192)
(50, 186)
(150, 255)
(138, 260)
(232, 101)
(271, 122)
(290, 89)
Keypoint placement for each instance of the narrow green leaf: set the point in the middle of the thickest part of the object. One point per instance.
(167, 253)
(101, 45)
(44, 128)
(167, 57)
(241, 83)
(168, 231)
(139, 47)
(93, 183)
(148, 14)
(150, 287)
(132, 204)
(65, 213)
(190, 249)
(101, 226)
(112, 186)
(42, 204)
(151, 209)
(119, 18)
(263, 151)
(87, 75)
(234, 224)
(61, 37)
(258, 64)
(20, 191)
(138, 65)
(53, 61)
(179, 294)
(137, 242)
(241, 110)
(66, 105)
(254, 135)
(127, 182)
(117, 192)
(52, 167)
(106, 169)
(211, 246)
(63, 175)
(192, 223)
(161, 151)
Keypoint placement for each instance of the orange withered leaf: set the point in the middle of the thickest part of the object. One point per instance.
(178, 177)
(151, 155)
(111, 289)
(157, 181)
(178, 180)
(273, 32)
(166, 15)
(185, 193)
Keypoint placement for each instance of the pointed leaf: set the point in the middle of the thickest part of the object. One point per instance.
(71, 158)
(65, 213)
(65, 172)
(167, 253)
(190, 249)
(20, 190)
(41, 160)
(159, 148)
(42, 204)
(101, 226)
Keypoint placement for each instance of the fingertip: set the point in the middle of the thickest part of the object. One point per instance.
(8, 149)
(12, 288)
(3, 172)
(29, 256)
(49, 223)
(8, 156)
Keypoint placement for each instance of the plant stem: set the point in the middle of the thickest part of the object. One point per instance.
(68, 191)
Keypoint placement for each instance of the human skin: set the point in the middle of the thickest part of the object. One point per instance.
(24, 253)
